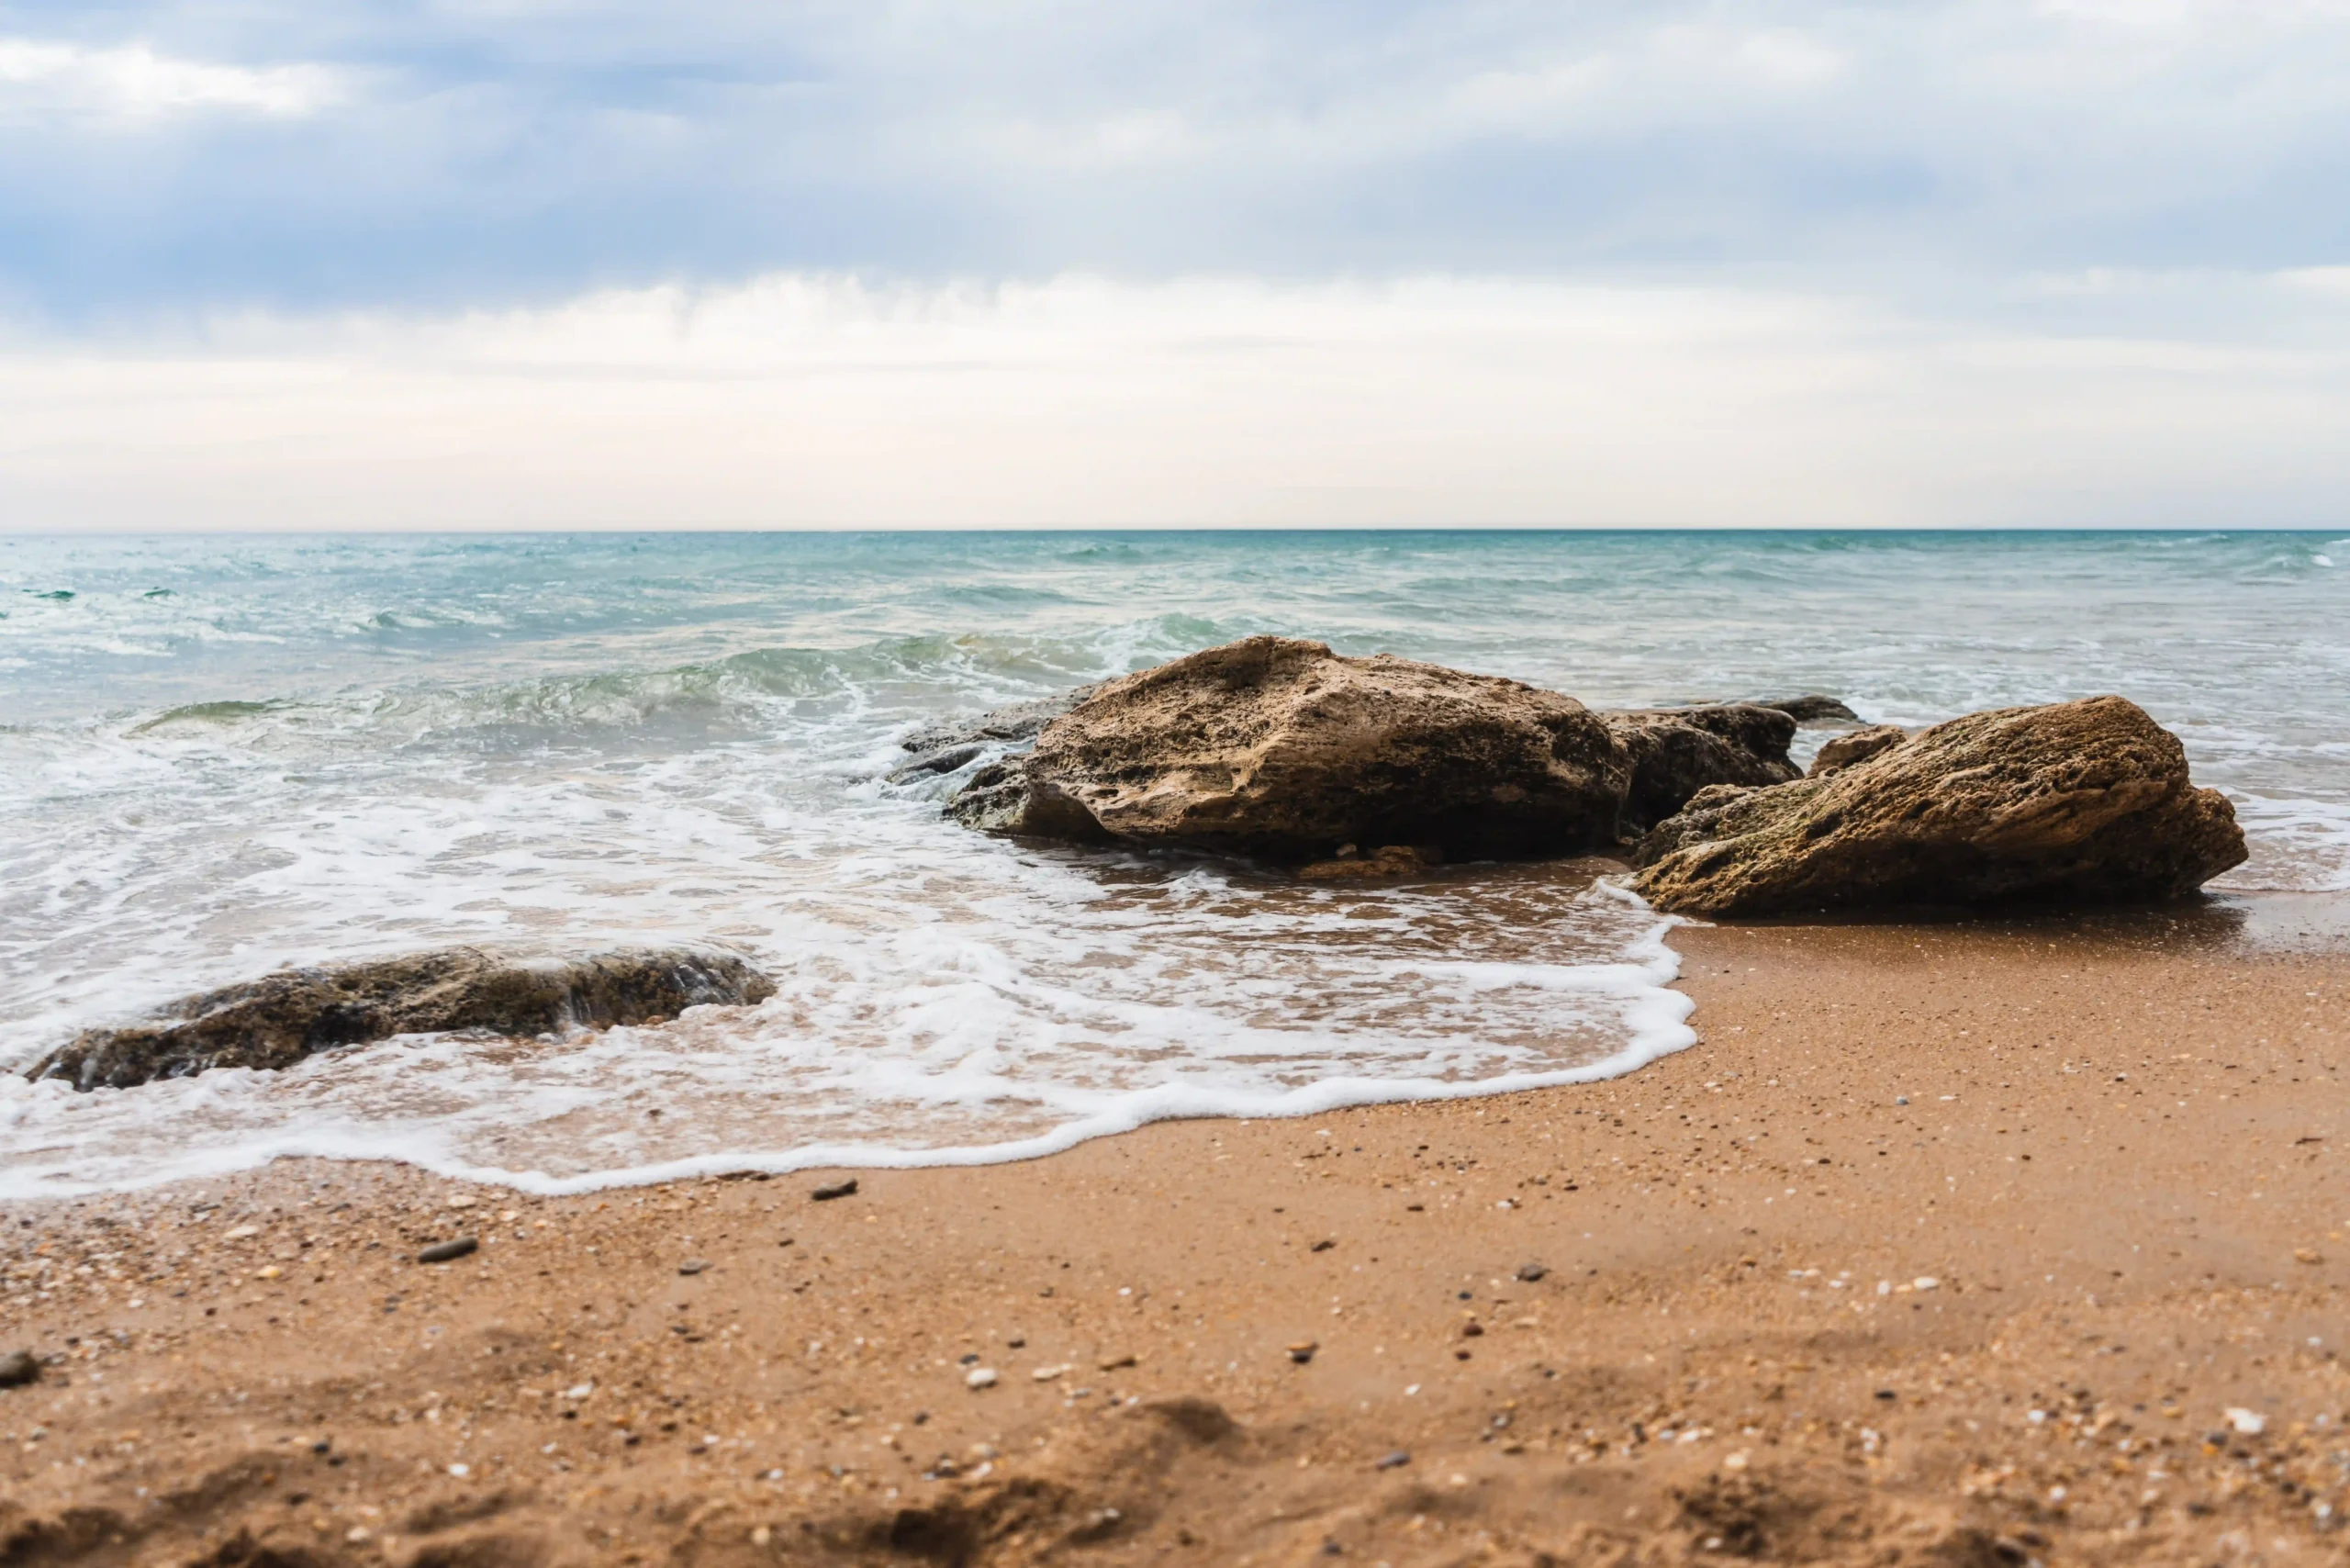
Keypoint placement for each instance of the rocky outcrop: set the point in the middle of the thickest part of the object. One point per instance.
(1280, 748)
(1675, 752)
(279, 1019)
(2076, 803)
(1859, 746)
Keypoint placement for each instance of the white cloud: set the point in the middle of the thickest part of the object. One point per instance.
(134, 85)
(804, 401)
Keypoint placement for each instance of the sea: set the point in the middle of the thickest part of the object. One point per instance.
(219, 755)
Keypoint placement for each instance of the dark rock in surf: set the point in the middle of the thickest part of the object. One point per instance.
(1280, 748)
(944, 747)
(1675, 752)
(1811, 710)
(281, 1018)
(2085, 803)
(1858, 745)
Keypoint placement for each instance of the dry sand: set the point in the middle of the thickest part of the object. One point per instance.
(1746, 1303)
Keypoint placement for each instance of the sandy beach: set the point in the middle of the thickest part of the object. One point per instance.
(1961, 1244)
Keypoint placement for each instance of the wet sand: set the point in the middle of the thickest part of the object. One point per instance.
(1950, 1244)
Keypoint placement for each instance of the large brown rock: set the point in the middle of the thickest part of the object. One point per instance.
(2077, 802)
(1280, 748)
(1675, 752)
(279, 1019)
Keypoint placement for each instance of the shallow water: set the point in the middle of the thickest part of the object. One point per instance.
(221, 755)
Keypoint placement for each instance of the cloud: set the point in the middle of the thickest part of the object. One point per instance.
(134, 85)
(525, 152)
(806, 399)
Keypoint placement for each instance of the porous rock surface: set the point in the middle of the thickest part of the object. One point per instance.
(1856, 746)
(1277, 747)
(281, 1018)
(2084, 801)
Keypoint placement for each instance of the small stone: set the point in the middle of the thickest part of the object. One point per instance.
(1322, 1246)
(449, 1252)
(1529, 1272)
(2245, 1423)
(1118, 1363)
(837, 1190)
(1395, 1461)
(693, 1266)
(1303, 1351)
(1472, 1330)
(270, 1272)
(1047, 1374)
(241, 1233)
(19, 1367)
(2306, 1255)
(459, 1202)
(980, 1377)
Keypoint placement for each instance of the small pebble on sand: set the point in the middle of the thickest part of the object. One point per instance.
(837, 1190)
(19, 1367)
(980, 1377)
(693, 1266)
(449, 1252)
(1395, 1461)
(1530, 1272)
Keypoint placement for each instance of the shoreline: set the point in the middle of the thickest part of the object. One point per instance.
(1672, 1214)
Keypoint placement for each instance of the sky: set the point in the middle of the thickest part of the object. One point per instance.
(530, 264)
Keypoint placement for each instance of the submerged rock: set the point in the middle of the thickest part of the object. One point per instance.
(1388, 861)
(1813, 709)
(279, 1019)
(1277, 747)
(2078, 801)
(1675, 752)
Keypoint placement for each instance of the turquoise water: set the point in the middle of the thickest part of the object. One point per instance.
(220, 755)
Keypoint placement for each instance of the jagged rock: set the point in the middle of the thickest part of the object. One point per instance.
(1858, 745)
(1280, 748)
(1675, 752)
(2077, 801)
(1811, 710)
(279, 1019)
